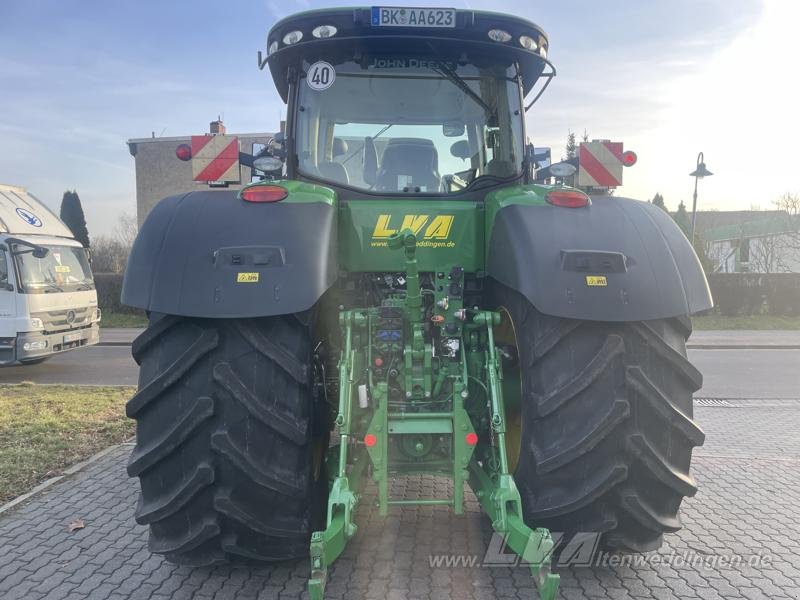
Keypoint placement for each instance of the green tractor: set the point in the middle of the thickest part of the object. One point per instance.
(400, 295)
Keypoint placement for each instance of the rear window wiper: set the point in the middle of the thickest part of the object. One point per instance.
(383, 130)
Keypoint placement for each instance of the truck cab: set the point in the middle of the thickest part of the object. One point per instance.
(48, 301)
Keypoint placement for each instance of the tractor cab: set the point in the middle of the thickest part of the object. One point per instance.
(392, 101)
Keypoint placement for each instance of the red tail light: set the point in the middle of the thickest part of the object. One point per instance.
(471, 438)
(370, 440)
(629, 158)
(264, 193)
(568, 198)
(184, 152)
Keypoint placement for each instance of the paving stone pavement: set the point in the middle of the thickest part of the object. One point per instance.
(747, 506)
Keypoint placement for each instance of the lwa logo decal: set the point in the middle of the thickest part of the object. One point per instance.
(30, 218)
(431, 232)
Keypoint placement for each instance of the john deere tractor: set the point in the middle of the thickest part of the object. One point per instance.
(398, 296)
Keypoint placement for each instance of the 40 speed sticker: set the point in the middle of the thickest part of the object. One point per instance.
(320, 76)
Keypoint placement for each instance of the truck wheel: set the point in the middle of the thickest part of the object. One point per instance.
(605, 431)
(225, 449)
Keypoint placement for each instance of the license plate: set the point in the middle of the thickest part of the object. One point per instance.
(397, 16)
(72, 337)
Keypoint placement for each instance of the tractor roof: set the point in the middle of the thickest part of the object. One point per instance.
(357, 31)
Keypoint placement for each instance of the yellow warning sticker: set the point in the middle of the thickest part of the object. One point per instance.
(596, 281)
(62, 269)
(247, 278)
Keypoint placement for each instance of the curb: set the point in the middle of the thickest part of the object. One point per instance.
(20, 499)
(76, 468)
(743, 346)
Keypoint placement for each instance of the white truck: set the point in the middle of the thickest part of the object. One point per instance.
(48, 302)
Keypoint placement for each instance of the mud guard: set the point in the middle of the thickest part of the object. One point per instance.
(210, 254)
(617, 260)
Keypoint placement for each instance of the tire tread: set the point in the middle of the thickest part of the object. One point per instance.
(223, 449)
(608, 445)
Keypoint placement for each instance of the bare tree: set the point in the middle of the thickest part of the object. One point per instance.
(764, 253)
(126, 229)
(110, 252)
(790, 203)
(788, 243)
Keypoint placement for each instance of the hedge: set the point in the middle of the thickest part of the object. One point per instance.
(756, 293)
(109, 289)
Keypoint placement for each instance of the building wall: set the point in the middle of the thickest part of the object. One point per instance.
(159, 173)
(768, 254)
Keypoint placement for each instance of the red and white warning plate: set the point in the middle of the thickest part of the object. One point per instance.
(215, 158)
(601, 162)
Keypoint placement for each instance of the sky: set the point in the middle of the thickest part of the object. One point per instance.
(669, 79)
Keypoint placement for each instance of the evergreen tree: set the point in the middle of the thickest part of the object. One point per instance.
(683, 219)
(658, 200)
(572, 146)
(701, 248)
(72, 215)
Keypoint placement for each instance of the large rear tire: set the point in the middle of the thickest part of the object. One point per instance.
(606, 424)
(226, 421)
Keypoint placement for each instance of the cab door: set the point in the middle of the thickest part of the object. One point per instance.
(8, 311)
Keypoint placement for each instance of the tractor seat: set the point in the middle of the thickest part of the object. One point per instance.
(501, 168)
(409, 163)
(334, 171)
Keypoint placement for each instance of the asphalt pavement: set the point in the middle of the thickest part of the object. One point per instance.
(95, 365)
(736, 374)
(735, 364)
(108, 363)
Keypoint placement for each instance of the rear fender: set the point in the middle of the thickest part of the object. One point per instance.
(616, 260)
(211, 254)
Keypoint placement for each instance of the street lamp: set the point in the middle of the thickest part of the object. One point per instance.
(699, 172)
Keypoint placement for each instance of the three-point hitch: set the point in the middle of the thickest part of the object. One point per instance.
(420, 392)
